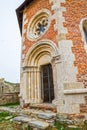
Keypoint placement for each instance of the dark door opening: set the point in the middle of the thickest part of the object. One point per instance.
(47, 83)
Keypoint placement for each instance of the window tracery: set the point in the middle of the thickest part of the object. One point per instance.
(39, 24)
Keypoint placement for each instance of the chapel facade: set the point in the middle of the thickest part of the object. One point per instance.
(54, 53)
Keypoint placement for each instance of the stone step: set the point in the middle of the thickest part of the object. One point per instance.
(46, 115)
(24, 119)
(7, 109)
(39, 124)
(35, 123)
(44, 106)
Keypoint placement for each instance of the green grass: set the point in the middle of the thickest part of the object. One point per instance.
(10, 104)
(60, 126)
(4, 116)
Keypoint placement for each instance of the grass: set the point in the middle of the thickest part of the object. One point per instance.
(4, 116)
(6, 122)
(11, 104)
(60, 126)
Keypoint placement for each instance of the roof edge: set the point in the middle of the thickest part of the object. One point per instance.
(19, 12)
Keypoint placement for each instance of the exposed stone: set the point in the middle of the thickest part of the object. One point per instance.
(34, 122)
(23, 119)
(8, 92)
(44, 107)
(39, 124)
(51, 122)
(8, 117)
(72, 126)
(76, 116)
(7, 109)
(44, 115)
(65, 121)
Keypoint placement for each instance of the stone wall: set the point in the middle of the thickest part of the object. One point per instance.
(63, 47)
(72, 67)
(9, 98)
(75, 13)
(8, 92)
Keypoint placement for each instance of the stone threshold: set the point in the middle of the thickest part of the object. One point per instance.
(44, 106)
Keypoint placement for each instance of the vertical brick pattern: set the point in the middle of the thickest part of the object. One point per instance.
(30, 11)
(75, 11)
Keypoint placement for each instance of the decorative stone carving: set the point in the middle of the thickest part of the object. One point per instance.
(39, 24)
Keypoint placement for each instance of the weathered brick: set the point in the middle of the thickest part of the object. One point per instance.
(30, 12)
(75, 11)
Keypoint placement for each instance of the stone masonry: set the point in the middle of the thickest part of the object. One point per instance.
(8, 92)
(54, 32)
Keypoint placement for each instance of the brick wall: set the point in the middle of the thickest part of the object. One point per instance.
(30, 12)
(75, 12)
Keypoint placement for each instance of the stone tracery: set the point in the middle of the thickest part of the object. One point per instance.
(39, 24)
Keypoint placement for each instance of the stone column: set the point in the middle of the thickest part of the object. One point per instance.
(31, 84)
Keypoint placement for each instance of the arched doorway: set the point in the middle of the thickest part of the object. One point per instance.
(38, 60)
(47, 87)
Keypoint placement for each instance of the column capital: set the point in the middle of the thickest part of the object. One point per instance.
(26, 69)
(56, 59)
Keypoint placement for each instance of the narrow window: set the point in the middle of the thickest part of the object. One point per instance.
(85, 29)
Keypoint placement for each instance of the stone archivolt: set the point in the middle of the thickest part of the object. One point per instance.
(43, 47)
(39, 54)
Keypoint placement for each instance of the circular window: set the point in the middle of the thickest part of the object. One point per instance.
(38, 25)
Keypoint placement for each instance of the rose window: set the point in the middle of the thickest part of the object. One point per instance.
(38, 25)
(41, 26)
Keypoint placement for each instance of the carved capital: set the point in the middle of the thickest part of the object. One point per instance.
(29, 68)
(56, 59)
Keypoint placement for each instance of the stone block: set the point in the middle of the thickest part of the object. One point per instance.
(70, 86)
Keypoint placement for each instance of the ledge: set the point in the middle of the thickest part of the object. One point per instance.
(75, 91)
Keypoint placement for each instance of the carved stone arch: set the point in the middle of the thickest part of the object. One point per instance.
(43, 47)
(39, 55)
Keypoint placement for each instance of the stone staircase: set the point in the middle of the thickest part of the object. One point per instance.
(38, 116)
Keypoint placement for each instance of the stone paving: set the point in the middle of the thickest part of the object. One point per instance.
(36, 118)
(40, 119)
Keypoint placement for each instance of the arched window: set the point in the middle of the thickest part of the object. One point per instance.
(85, 29)
(38, 24)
